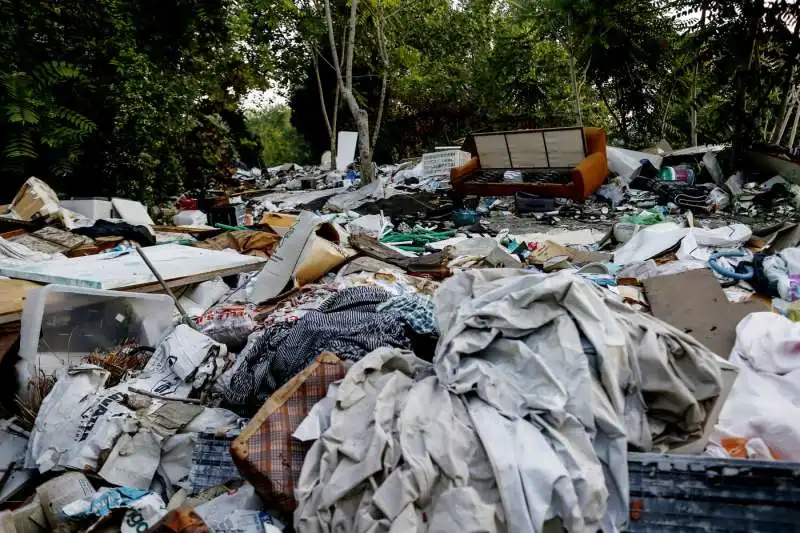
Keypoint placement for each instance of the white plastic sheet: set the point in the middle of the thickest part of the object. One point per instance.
(653, 240)
(765, 400)
(624, 162)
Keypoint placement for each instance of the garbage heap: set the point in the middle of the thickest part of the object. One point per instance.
(391, 362)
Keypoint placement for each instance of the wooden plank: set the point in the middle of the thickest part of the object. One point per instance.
(37, 244)
(12, 298)
(185, 229)
(191, 280)
(11, 306)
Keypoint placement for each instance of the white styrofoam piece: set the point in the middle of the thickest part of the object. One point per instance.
(93, 209)
(126, 269)
(346, 149)
(132, 212)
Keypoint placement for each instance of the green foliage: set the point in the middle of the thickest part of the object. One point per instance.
(130, 97)
(33, 120)
(280, 142)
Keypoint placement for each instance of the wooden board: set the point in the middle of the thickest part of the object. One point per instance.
(185, 229)
(127, 270)
(527, 150)
(12, 298)
(565, 148)
(492, 151)
(694, 303)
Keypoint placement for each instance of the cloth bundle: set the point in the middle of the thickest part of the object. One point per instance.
(522, 422)
(347, 324)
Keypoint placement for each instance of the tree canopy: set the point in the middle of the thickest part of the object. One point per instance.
(143, 98)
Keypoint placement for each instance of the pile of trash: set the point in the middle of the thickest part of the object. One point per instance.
(330, 357)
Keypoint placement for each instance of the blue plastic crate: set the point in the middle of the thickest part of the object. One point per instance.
(684, 493)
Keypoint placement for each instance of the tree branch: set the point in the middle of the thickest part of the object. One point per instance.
(384, 79)
(321, 92)
(351, 43)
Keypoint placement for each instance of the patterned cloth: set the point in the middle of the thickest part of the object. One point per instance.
(346, 324)
(417, 311)
(212, 464)
(297, 304)
(265, 452)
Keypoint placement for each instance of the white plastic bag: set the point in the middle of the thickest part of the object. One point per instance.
(765, 399)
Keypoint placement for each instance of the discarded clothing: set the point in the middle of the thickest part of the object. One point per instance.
(347, 324)
(212, 464)
(105, 228)
(541, 384)
(417, 311)
(388, 459)
(296, 304)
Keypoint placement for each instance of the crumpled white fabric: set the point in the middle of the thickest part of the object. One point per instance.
(514, 339)
(521, 423)
(389, 461)
(653, 240)
(764, 402)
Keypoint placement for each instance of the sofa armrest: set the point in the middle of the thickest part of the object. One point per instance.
(458, 174)
(590, 174)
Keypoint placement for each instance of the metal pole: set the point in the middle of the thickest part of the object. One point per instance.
(189, 322)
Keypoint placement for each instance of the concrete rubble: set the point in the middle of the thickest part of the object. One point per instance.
(304, 352)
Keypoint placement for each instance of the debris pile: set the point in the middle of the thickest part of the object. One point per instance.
(306, 353)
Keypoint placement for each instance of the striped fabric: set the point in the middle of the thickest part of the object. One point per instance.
(347, 324)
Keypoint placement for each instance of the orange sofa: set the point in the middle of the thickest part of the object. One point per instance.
(580, 152)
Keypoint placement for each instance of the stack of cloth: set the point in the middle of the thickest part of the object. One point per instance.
(347, 324)
(539, 386)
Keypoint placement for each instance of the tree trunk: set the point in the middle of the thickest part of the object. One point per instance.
(794, 126)
(384, 79)
(360, 116)
(788, 89)
(331, 132)
(334, 140)
(351, 44)
(787, 114)
(693, 110)
(379, 116)
(747, 129)
(575, 89)
(622, 131)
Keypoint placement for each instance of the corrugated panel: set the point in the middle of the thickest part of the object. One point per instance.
(684, 493)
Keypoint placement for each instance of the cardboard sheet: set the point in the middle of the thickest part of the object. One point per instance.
(282, 264)
(694, 302)
(127, 270)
